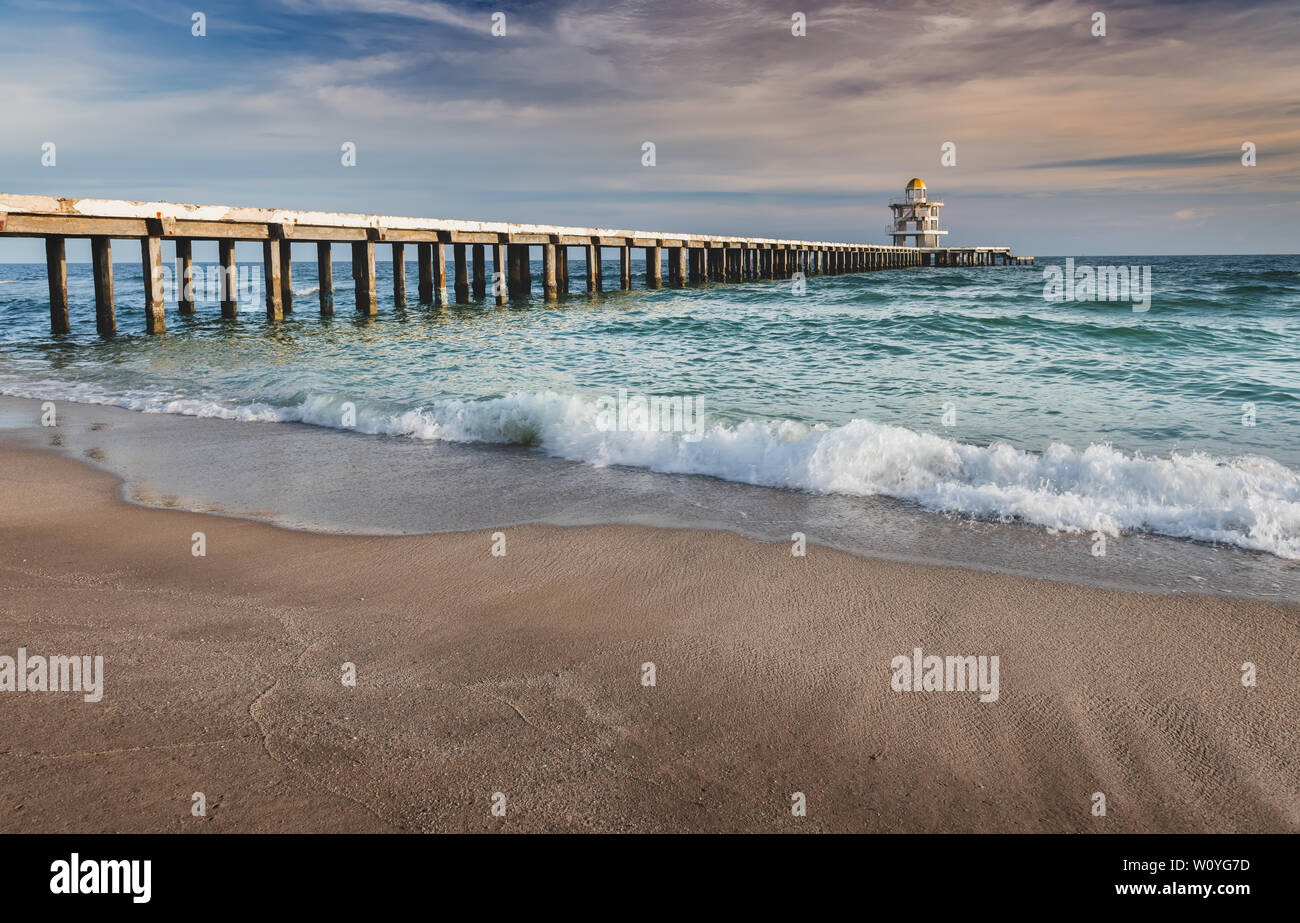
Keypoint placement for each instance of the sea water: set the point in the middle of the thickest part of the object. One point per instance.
(849, 404)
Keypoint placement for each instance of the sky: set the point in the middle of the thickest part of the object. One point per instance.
(1065, 142)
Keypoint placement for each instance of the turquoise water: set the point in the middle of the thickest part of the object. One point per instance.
(1076, 416)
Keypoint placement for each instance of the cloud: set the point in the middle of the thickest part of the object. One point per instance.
(755, 128)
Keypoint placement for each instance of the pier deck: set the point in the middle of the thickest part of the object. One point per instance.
(691, 258)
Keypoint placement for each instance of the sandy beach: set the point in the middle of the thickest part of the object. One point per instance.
(522, 674)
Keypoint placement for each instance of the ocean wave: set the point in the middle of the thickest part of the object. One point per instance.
(1249, 501)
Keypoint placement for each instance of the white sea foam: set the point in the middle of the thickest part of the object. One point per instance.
(1249, 501)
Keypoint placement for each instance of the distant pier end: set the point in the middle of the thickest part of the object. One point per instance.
(916, 216)
(691, 258)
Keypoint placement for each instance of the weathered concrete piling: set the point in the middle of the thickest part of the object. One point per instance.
(692, 258)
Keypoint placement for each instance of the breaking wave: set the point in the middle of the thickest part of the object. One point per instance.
(1249, 501)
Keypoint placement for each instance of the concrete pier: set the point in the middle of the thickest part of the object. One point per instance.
(462, 274)
(550, 290)
(325, 272)
(286, 276)
(184, 277)
(363, 274)
(692, 258)
(399, 276)
(56, 264)
(152, 273)
(272, 281)
(229, 278)
(499, 270)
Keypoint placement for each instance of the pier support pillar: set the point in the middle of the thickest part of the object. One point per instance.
(439, 274)
(363, 275)
(286, 276)
(271, 279)
(548, 272)
(592, 256)
(499, 273)
(151, 270)
(399, 276)
(674, 266)
(229, 280)
(101, 252)
(424, 260)
(185, 276)
(562, 269)
(479, 271)
(56, 268)
(515, 271)
(653, 271)
(462, 272)
(325, 274)
(625, 267)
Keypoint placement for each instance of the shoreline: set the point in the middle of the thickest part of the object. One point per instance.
(522, 674)
(336, 481)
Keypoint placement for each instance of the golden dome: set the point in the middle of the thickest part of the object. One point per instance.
(916, 183)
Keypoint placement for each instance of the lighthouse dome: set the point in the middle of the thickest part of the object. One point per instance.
(916, 183)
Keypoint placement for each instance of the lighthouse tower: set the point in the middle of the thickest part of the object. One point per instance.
(916, 216)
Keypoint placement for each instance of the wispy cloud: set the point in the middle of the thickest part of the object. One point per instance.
(1059, 133)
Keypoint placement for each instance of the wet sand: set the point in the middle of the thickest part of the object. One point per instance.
(522, 674)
